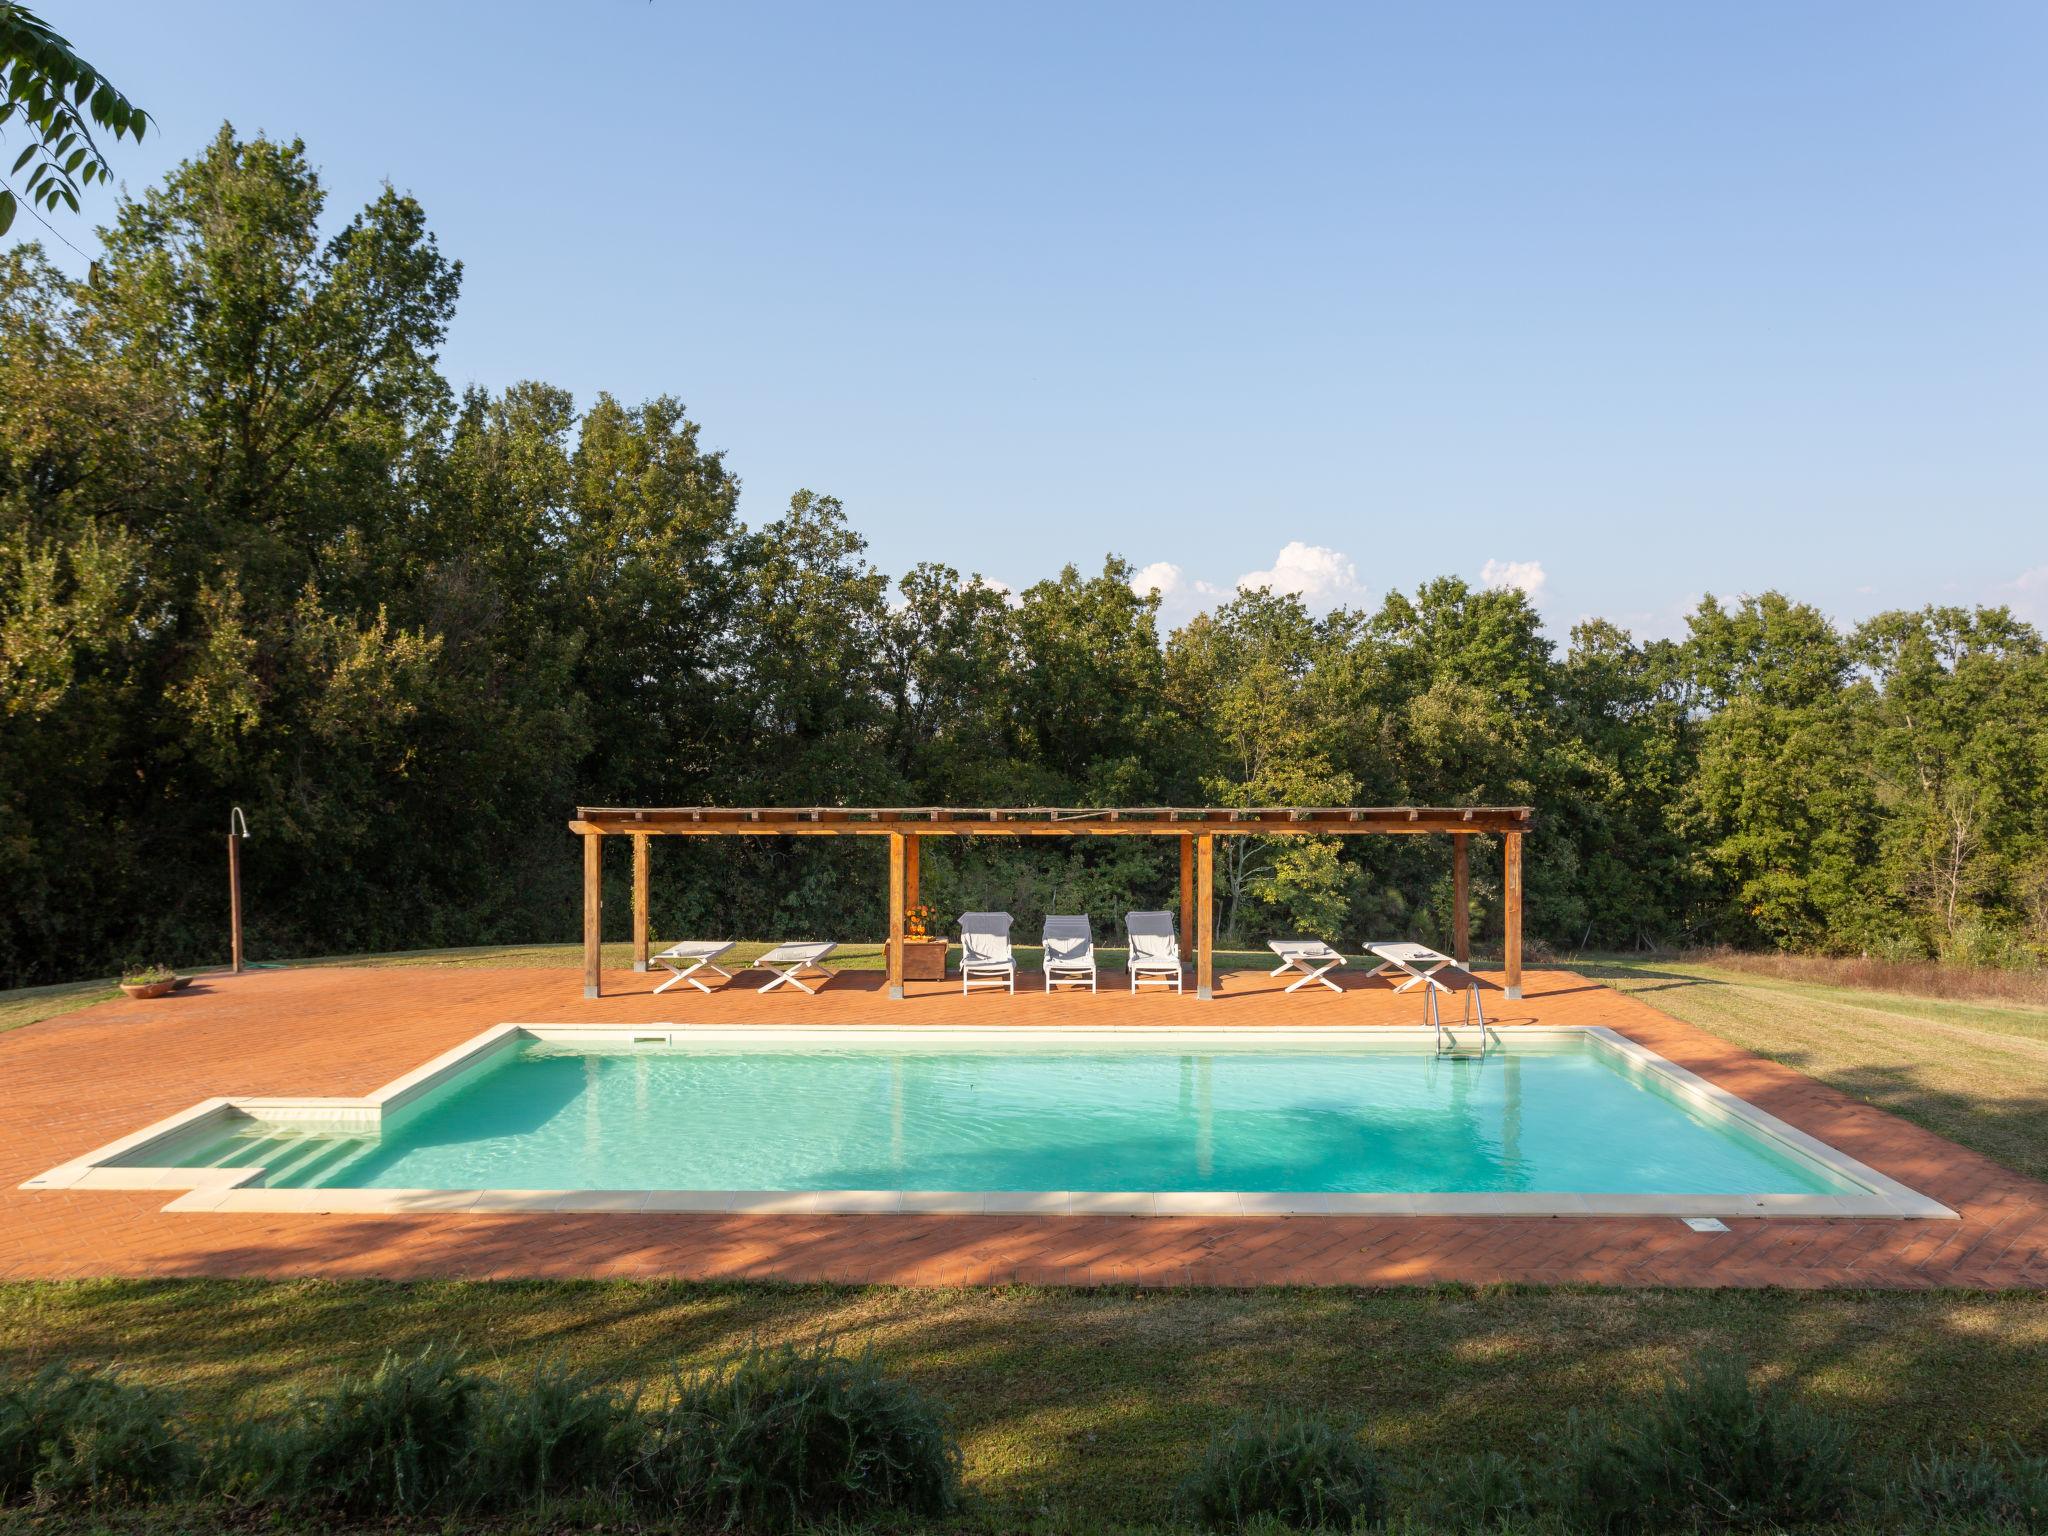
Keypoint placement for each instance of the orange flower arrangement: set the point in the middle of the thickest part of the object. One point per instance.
(918, 919)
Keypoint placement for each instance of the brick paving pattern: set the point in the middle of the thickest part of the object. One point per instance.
(81, 1080)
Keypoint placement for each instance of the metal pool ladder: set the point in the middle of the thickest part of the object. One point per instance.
(1471, 1025)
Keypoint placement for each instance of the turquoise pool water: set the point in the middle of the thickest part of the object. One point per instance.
(1567, 1117)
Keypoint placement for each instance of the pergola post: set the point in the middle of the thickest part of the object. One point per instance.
(899, 860)
(1187, 893)
(593, 914)
(640, 883)
(1461, 898)
(1511, 907)
(1205, 915)
(910, 869)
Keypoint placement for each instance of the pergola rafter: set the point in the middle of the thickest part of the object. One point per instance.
(1197, 827)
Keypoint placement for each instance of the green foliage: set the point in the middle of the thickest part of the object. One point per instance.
(1710, 1450)
(147, 975)
(254, 550)
(1298, 1470)
(70, 1436)
(782, 1437)
(404, 1440)
(557, 1434)
(1978, 1486)
(1474, 1493)
(58, 97)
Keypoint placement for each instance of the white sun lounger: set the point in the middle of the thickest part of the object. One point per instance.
(1312, 957)
(1069, 953)
(787, 960)
(690, 957)
(1155, 950)
(985, 955)
(1418, 962)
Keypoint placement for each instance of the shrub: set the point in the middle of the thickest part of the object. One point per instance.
(1590, 1481)
(560, 1432)
(1294, 1469)
(402, 1441)
(79, 1436)
(783, 1436)
(1474, 1493)
(1709, 1451)
(1976, 1487)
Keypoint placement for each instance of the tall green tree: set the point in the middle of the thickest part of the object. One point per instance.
(1248, 672)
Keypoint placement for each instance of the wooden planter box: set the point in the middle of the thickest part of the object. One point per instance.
(924, 959)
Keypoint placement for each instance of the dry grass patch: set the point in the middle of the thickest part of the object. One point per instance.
(1915, 978)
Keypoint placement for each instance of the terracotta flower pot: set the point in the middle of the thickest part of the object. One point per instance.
(150, 988)
(924, 959)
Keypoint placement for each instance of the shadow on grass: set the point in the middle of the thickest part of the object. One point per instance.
(1656, 981)
(1097, 1400)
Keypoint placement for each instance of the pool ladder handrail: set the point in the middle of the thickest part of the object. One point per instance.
(1446, 1037)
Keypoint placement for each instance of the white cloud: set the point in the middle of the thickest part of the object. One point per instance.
(1528, 576)
(1161, 576)
(2027, 594)
(1321, 578)
(1180, 596)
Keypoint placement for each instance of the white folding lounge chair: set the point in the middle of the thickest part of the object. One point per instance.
(690, 957)
(787, 960)
(1155, 950)
(1312, 957)
(1069, 953)
(985, 955)
(1418, 962)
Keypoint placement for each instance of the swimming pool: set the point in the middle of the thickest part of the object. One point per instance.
(1155, 1121)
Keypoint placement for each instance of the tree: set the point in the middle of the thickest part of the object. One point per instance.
(1953, 735)
(1088, 689)
(58, 98)
(1247, 670)
(1782, 811)
(951, 664)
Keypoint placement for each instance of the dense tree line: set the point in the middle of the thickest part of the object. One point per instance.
(254, 549)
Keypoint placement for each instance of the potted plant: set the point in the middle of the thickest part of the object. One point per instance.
(149, 981)
(924, 957)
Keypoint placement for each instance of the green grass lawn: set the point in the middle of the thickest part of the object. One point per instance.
(27, 1005)
(31, 1005)
(1090, 1403)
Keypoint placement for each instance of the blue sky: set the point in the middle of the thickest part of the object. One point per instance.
(1622, 302)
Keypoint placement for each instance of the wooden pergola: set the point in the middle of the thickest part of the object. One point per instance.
(1197, 827)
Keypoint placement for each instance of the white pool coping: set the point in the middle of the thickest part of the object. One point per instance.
(240, 1189)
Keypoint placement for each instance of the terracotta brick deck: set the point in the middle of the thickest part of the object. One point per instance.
(79, 1081)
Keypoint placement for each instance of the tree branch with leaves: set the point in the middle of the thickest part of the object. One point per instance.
(58, 98)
